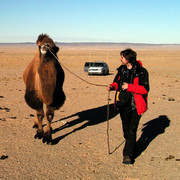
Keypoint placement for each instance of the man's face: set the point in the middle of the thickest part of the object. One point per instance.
(123, 60)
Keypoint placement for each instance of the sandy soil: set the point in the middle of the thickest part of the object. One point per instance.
(79, 149)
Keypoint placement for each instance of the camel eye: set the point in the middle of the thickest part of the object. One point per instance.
(46, 45)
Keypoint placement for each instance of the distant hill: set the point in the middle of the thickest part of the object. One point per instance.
(110, 44)
(95, 44)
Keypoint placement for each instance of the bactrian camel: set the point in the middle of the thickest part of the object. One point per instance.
(44, 79)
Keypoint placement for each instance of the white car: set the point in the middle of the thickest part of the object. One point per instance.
(98, 68)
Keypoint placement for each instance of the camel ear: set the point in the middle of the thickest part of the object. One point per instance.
(38, 43)
(55, 49)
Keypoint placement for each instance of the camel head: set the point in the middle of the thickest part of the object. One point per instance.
(46, 44)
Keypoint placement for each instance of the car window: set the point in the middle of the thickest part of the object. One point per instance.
(97, 65)
(94, 64)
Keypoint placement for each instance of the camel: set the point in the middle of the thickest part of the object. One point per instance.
(44, 78)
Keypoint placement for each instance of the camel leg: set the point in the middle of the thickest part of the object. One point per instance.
(38, 123)
(48, 132)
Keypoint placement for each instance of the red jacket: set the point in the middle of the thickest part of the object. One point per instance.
(139, 87)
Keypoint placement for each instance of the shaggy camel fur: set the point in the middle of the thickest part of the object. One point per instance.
(44, 79)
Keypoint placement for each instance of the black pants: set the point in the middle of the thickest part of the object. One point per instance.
(130, 120)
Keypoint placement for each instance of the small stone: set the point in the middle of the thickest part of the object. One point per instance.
(2, 119)
(5, 109)
(152, 158)
(12, 117)
(169, 157)
(171, 99)
(3, 157)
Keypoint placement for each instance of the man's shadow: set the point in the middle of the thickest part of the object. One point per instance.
(92, 116)
(150, 131)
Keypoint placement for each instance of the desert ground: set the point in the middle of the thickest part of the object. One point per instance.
(79, 149)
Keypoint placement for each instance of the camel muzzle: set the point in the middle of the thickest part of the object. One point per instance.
(44, 49)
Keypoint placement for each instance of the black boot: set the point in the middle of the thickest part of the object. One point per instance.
(127, 160)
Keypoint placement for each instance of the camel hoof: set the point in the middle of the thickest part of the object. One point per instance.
(47, 138)
(39, 134)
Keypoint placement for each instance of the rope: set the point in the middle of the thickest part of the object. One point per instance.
(107, 131)
(77, 75)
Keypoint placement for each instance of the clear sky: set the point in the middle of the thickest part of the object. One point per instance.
(133, 21)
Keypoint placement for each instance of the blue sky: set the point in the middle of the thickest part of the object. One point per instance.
(133, 21)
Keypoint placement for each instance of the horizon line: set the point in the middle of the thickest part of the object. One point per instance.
(95, 42)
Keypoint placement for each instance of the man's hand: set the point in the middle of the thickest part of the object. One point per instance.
(109, 87)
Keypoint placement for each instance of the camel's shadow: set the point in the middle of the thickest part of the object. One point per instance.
(92, 116)
(150, 131)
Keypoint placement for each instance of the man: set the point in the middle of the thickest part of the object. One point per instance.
(132, 86)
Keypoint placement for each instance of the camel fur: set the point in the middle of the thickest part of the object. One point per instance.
(44, 78)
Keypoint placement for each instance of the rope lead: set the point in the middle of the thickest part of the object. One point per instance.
(107, 131)
(92, 85)
(77, 75)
